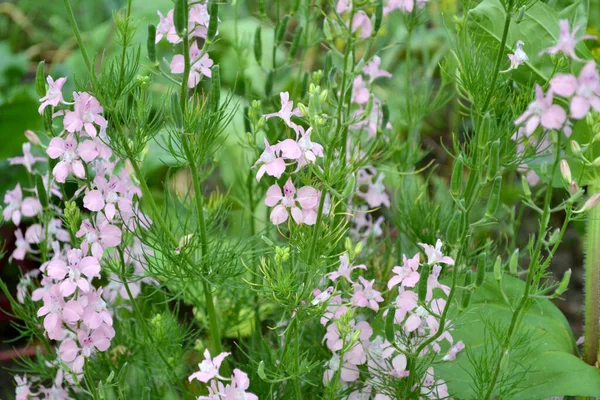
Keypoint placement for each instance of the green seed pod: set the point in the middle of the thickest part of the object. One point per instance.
(457, 173)
(494, 200)
(564, 283)
(422, 288)
(40, 80)
(349, 189)
(213, 23)
(378, 16)
(258, 45)
(481, 261)
(304, 85)
(525, 186)
(385, 117)
(269, 84)
(328, 62)
(215, 90)
(295, 44)
(41, 191)
(261, 7)
(295, 6)
(327, 30)
(498, 269)
(281, 28)
(176, 113)
(513, 264)
(180, 17)
(390, 331)
(247, 126)
(494, 161)
(466, 297)
(151, 43)
(455, 227)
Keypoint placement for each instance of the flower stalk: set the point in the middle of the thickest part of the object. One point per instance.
(592, 282)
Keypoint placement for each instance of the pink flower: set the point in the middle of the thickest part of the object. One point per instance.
(86, 112)
(345, 269)
(433, 283)
(567, 41)
(307, 197)
(200, 65)
(22, 246)
(108, 195)
(28, 159)
(335, 309)
(55, 310)
(373, 71)
(199, 20)
(541, 110)
(375, 195)
(451, 355)
(309, 151)
(362, 22)
(272, 163)
(98, 237)
(406, 275)
(287, 110)
(405, 302)
(79, 267)
(321, 297)
(434, 254)
(585, 89)
(349, 372)
(17, 206)
(54, 94)
(209, 368)
(236, 390)
(360, 93)
(23, 390)
(166, 28)
(365, 296)
(518, 58)
(71, 156)
(94, 310)
(343, 6)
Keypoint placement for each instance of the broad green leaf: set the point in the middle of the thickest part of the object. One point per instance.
(554, 367)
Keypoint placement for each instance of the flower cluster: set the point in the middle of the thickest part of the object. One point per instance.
(209, 374)
(76, 312)
(362, 359)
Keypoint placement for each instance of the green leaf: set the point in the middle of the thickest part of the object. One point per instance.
(554, 368)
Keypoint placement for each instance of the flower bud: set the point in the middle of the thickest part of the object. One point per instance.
(573, 187)
(303, 109)
(40, 80)
(323, 96)
(596, 162)
(575, 147)
(554, 237)
(32, 137)
(564, 283)
(494, 199)
(385, 111)
(525, 186)
(258, 45)
(457, 173)
(358, 248)
(565, 171)
(180, 17)
(422, 288)
(494, 161)
(498, 269)
(327, 30)
(513, 264)
(261, 123)
(151, 43)
(481, 259)
(590, 203)
(295, 44)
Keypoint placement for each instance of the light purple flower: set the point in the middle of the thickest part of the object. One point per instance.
(365, 295)
(71, 156)
(166, 28)
(518, 58)
(98, 236)
(434, 254)
(406, 275)
(345, 269)
(373, 71)
(541, 110)
(54, 94)
(307, 197)
(201, 65)
(16, 206)
(209, 368)
(107, 196)
(583, 90)
(27, 160)
(272, 162)
(567, 41)
(362, 22)
(287, 110)
(86, 113)
(75, 272)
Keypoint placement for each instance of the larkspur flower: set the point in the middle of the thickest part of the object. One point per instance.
(166, 28)
(365, 296)
(201, 65)
(76, 272)
(309, 150)
(27, 160)
(435, 255)
(583, 90)
(321, 297)
(98, 236)
(54, 94)
(567, 41)
(519, 57)
(107, 196)
(373, 70)
(271, 162)
(345, 269)
(287, 111)
(72, 155)
(407, 274)
(85, 115)
(209, 367)
(306, 196)
(542, 111)
(17, 206)
(362, 23)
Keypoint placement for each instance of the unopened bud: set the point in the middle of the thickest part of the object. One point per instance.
(32, 137)
(590, 203)
(323, 96)
(513, 264)
(565, 171)
(457, 173)
(554, 237)
(498, 269)
(525, 186)
(575, 147)
(596, 162)
(573, 187)
(564, 283)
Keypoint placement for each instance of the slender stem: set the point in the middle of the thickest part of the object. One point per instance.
(340, 121)
(592, 282)
(498, 58)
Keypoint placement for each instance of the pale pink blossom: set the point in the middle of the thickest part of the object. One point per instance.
(236, 390)
(85, 115)
(54, 94)
(343, 6)
(373, 70)
(362, 23)
(98, 236)
(360, 92)
(272, 162)
(321, 297)
(16, 206)
(107, 196)
(435, 255)
(27, 160)
(407, 274)
(166, 28)
(72, 155)
(77, 273)
(307, 197)
(345, 269)
(349, 372)
(584, 90)
(567, 41)
(541, 110)
(375, 195)
(200, 65)
(335, 309)
(23, 389)
(309, 150)
(209, 368)
(22, 246)
(365, 295)
(94, 310)
(519, 57)
(405, 301)
(287, 110)
(454, 350)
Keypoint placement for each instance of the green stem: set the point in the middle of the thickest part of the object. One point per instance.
(498, 59)
(342, 128)
(592, 282)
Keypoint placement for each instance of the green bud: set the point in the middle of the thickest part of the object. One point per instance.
(494, 161)
(457, 173)
(213, 23)
(348, 245)
(323, 96)
(247, 124)
(390, 331)
(295, 43)
(327, 30)
(575, 147)
(269, 84)
(176, 113)
(215, 90)
(72, 216)
(151, 43)
(332, 77)
(596, 162)
(303, 109)
(378, 16)
(422, 288)
(314, 104)
(358, 248)
(481, 261)
(554, 237)
(466, 297)
(494, 200)
(513, 264)
(40, 80)
(258, 45)
(498, 269)
(564, 284)
(261, 371)
(180, 17)
(349, 188)
(261, 123)
(328, 62)
(41, 191)
(385, 111)
(525, 186)
(281, 28)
